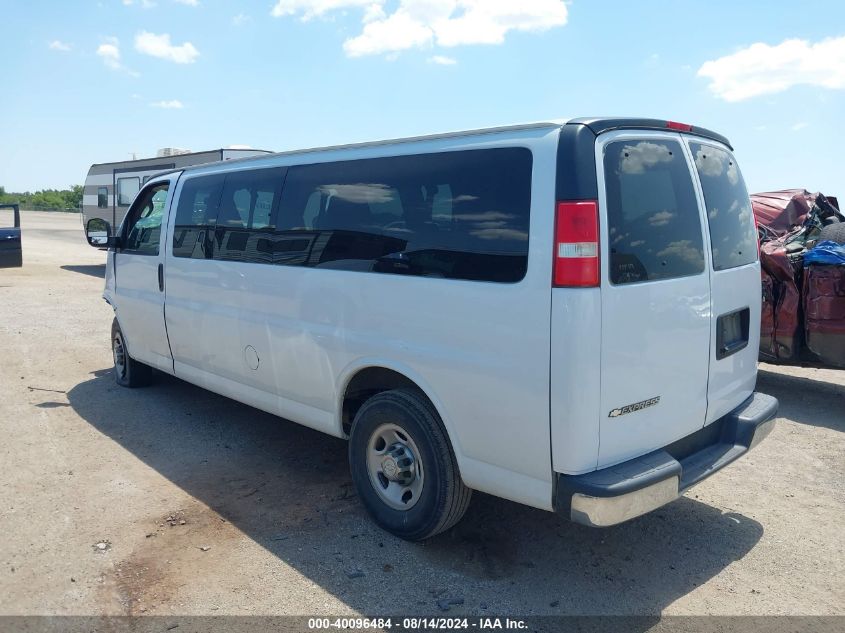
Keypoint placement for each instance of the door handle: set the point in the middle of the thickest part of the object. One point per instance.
(161, 277)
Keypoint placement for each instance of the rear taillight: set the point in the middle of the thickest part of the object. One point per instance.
(576, 256)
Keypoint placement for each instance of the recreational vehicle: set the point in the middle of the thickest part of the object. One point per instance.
(111, 187)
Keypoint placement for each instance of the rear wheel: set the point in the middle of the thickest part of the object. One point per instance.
(127, 371)
(403, 466)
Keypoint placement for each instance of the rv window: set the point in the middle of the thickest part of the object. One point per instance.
(127, 189)
(456, 215)
(102, 198)
(653, 219)
(196, 215)
(733, 236)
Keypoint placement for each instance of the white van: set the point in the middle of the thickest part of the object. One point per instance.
(564, 315)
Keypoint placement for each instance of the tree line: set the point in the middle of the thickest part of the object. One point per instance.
(46, 199)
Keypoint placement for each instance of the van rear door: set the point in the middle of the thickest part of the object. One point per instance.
(655, 294)
(736, 295)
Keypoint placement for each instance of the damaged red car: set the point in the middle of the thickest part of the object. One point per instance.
(802, 257)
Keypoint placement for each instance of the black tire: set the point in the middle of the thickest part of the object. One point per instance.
(127, 371)
(833, 232)
(443, 497)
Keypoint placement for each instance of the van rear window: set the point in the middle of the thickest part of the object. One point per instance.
(454, 215)
(733, 236)
(653, 219)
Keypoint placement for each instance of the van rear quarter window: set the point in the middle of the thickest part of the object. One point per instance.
(653, 219)
(733, 236)
(456, 215)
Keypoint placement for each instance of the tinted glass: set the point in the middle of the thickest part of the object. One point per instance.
(244, 221)
(127, 189)
(733, 236)
(102, 197)
(196, 215)
(653, 218)
(143, 221)
(457, 215)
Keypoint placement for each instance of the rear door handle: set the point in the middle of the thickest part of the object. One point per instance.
(161, 277)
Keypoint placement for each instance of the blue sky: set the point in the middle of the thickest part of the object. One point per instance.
(94, 81)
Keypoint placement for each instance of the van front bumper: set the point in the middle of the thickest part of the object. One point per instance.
(630, 489)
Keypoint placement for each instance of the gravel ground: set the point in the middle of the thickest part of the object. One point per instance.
(172, 500)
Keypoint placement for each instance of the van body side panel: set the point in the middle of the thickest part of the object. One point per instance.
(575, 379)
(480, 349)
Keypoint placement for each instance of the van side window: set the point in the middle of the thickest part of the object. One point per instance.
(127, 189)
(653, 218)
(143, 221)
(244, 219)
(455, 215)
(102, 197)
(196, 215)
(733, 236)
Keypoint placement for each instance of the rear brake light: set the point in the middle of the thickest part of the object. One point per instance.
(576, 256)
(683, 127)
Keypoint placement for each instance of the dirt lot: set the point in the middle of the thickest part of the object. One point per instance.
(171, 500)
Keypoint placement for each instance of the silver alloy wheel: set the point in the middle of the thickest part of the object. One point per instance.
(395, 467)
(119, 353)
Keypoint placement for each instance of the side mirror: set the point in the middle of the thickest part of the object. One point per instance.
(98, 233)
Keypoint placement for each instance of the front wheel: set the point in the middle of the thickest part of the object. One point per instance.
(127, 371)
(403, 467)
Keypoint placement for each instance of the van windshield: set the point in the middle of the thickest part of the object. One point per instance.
(733, 237)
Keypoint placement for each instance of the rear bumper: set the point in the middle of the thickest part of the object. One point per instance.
(630, 489)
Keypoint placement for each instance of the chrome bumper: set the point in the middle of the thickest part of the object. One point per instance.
(633, 488)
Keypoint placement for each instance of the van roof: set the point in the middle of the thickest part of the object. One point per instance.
(598, 125)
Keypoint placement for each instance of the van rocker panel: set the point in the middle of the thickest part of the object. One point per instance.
(618, 493)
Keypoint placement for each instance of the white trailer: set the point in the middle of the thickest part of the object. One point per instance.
(111, 187)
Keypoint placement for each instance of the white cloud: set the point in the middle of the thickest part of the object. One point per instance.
(762, 69)
(442, 60)
(240, 19)
(173, 104)
(236, 146)
(58, 45)
(144, 4)
(190, 3)
(109, 52)
(160, 46)
(799, 126)
(425, 23)
(317, 8)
